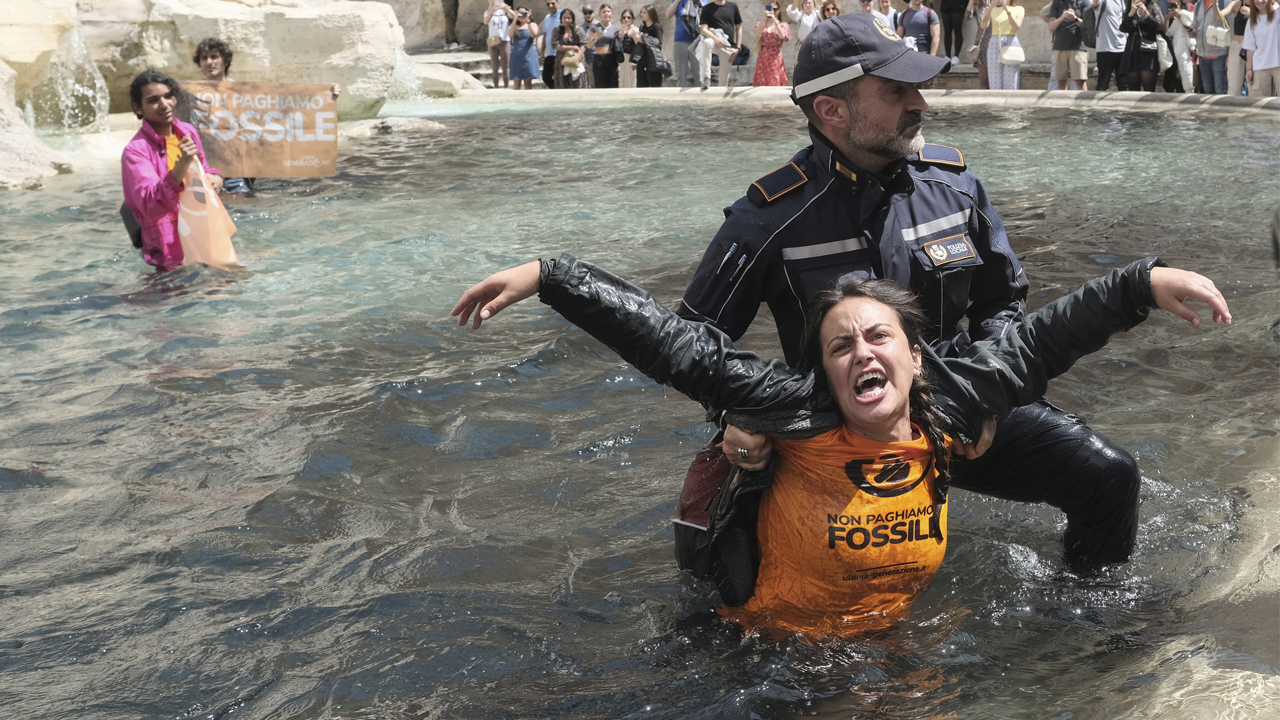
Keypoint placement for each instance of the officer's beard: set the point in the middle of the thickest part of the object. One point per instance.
(902, 141)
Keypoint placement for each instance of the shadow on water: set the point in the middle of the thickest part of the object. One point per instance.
(300, 491)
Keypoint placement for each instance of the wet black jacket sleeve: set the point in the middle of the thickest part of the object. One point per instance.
(990, 378)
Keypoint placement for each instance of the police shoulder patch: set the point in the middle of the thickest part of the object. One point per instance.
(942, 155)
(777, 183)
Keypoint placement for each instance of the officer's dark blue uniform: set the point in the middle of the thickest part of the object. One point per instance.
(928, 224)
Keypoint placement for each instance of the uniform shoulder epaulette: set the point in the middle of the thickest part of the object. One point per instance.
(942, 155)
(776, 184)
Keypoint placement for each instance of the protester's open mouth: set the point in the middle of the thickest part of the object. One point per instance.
(869, 385)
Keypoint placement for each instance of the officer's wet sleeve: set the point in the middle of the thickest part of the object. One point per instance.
(995, 376)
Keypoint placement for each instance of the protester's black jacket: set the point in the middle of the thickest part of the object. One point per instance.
(990, 378)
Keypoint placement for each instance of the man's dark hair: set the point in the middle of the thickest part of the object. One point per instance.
(150, 76)
(847, 91)
(214, 45)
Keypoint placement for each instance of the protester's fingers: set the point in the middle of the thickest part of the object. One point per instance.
(496, 292)
(1172, 287)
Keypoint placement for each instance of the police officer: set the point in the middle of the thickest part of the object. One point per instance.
(870, 198)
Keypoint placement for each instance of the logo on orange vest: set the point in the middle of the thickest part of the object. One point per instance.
(893, 472)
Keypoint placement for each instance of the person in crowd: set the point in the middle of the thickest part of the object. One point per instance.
(648, 73)
(1177, 25)
(687, 14)
(1262, 49)
(589, 24)
(805, 18)
(1141, 63)
(605, 65)
(721, 29)
(830, 9)
(569, 42)
(1070, 59)
(1110, 44)
(884, 10)
(866, 6)
(1005, 19)
(498, 17)
(628, 34)
(771, 33)
(876, 437)
(870, 198)
(919, 26)
(1212, 55)
(549, 25)
(450, 9)
(952, 13)
(154, 168)
(977, 11)
(524, 50)
(1236, 55)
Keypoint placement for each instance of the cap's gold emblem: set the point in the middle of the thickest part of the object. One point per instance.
(885, 30)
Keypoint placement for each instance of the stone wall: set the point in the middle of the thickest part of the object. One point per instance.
(24, 160)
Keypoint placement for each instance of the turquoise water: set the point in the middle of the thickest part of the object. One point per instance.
(298, 490)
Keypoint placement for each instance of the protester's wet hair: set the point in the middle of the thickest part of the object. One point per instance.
(216, 46)
(150, 76)
(924, 412)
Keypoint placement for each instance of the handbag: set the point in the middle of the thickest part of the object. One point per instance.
(1162, 50)
(1012, 55)
(1147, 46)
(1219, 35)
(494, 41)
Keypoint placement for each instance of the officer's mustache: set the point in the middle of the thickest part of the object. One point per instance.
(909, 119)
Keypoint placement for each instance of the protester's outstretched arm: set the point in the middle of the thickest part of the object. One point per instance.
(491, 295)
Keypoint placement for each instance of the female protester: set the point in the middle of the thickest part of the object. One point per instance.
(569, 42)
(498, 17)
(1141, 62)
(524, 50)
(830, 9)
(859, 432)
(154, 166)
(918, 25)
(1237, 14)
(1005, 18)
(1262, 49)
(628, 35)
(978, 10)
(1177, 24)
(806, 17)
(771, 33)
(647, 72)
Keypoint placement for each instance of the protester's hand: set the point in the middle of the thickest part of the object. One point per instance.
(975, 450)
(488, 297)
(757, 445)
(335, 90)
(1172, 287)
(215, 182)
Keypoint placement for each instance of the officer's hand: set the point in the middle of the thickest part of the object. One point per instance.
(975, 450)
(488, 297)
(1172, 287)
(758, 448)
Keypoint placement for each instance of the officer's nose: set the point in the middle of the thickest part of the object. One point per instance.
(916, 101)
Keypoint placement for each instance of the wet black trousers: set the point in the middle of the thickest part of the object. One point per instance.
(1044, 454)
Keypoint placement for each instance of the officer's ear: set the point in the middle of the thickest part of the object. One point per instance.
(830, 112)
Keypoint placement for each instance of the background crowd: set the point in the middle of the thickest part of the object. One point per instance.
(1204, 46)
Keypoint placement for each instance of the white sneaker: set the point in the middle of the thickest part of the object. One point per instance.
(955, 59)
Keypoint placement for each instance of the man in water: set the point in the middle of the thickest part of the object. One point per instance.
(869, 198)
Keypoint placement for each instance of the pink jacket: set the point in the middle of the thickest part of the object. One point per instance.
(152, 193)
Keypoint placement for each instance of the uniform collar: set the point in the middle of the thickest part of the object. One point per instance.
(895, 178)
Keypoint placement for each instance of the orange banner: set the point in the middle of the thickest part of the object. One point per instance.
(267, 130)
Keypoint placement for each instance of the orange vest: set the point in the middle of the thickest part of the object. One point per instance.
(848, 537)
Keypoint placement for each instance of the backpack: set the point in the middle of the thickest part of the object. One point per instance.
(1089, 31)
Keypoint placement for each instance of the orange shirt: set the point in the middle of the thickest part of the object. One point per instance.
(171, 151)
(847, 538)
